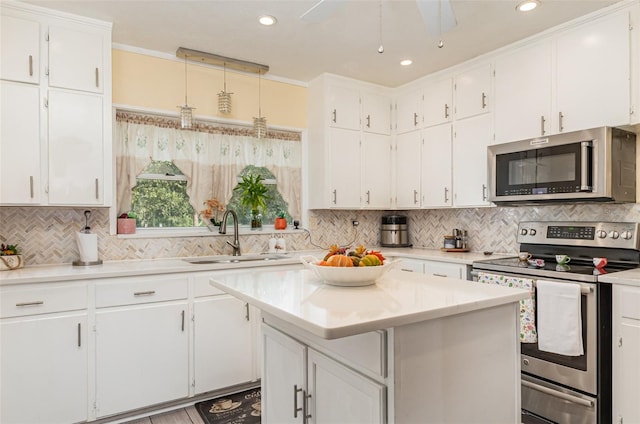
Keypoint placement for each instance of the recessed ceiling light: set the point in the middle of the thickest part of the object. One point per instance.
(406, 62)
(267, 20)
(527, 5)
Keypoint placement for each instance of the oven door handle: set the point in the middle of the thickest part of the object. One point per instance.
(555, 393)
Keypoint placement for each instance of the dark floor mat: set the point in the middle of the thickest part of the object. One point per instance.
(239, 408)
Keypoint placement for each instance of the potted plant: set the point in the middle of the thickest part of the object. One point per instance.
(253, 196)
(127, 223)
(280, 222)
(10, 257)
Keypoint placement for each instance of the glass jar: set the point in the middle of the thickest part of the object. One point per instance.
(449, 242)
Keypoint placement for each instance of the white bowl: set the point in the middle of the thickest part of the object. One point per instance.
(356, 276)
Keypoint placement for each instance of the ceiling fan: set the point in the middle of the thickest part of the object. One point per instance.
(437, 15)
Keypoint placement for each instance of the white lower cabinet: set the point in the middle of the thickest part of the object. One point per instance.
(305, 386)
(142, 343)
(43, 354)
(223, 343)
(626, 351)
(437, 268)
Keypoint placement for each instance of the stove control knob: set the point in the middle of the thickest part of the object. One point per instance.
(601, 233)
(627, 235)
(614, 234)
(524, 231)
(532, 232)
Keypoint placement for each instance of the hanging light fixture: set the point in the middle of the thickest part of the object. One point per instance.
(259, 123)
(224, 98)
(186, 115)
(440, 43)
(381, 48)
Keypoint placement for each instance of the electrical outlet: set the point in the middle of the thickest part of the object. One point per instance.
(355, 223)
(313, 223)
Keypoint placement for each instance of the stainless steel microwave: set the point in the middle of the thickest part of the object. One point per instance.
(598, 164)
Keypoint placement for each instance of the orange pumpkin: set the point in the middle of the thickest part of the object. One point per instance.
(340, 260)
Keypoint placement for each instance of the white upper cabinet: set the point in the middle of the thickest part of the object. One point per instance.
(471, 138)
(438, 102)
(472, 90)
(407, 170)
(20, 46)
(344, 168)
(409, 111)
(376, 171)
(436, 167)
(376, 113)
(76, 149)
(344, 107)
(593, 72)
(76, 58)
(522, 106)
(19, 143)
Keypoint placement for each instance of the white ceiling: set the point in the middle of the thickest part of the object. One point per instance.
(345, 43)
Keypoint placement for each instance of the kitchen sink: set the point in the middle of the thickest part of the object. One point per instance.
(235, 259)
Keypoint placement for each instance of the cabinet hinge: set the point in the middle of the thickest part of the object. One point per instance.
(631, 110)
(95, 406)
(630, 27)
(46, 36)
(193, 383)
(46, 70)
(46, 102)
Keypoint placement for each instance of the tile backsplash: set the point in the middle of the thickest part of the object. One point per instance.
(46, 235)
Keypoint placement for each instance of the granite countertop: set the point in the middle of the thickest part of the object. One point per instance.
(630, 277)
(398, 298)
(109, 269)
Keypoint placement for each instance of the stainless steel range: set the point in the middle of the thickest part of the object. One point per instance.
(562, 388)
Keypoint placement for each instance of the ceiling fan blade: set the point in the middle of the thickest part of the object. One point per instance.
(321, 10)
(437, 15)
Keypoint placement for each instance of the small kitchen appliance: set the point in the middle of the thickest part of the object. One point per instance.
(394, 231)
(558, 387)
(598, 164)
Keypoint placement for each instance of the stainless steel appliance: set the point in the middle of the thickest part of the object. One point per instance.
(394, 231)
(598, 164)
(559, 388)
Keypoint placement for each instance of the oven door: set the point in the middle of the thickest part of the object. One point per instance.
(542, 172)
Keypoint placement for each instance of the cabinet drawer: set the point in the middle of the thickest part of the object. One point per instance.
(629, 302)
(368, 351)
(42, 299)
(131, 291)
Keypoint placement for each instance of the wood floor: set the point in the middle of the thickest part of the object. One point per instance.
(187, 415)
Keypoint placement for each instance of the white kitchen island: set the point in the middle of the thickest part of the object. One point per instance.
(409, 349)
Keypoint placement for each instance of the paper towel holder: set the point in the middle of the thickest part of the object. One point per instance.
(86, 229)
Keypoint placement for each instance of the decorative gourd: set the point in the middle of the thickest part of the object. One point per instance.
(340, 260)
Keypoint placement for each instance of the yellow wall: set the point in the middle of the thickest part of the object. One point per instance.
(152, 82)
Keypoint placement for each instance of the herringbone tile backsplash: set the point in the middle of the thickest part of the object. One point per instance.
(46, 235)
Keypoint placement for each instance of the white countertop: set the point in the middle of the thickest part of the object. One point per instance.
(630, 277)
(109, 269)
(397, 299)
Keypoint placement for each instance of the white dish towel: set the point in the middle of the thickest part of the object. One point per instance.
(559, 318)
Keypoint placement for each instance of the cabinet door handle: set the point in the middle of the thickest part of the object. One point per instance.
(30, 65)
(415, 119)
(560, 118)
(182, 318)
(542, 122)
(484, 192)
(335, 197)
(620, 342)
(439, 275)
(295, 401)
(368, 121)
(31, 185)
(415, 197)
(97, 190)
(368, 197)
(246, 315)
(34, 303)
(446, 195)
(305, 405)
(446, 110)
(97, 78)
(144, 293)
(334, 116)
(79, 335)
(484, 100)
(407, 270)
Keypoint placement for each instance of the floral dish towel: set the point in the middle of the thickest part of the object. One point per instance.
(528, 333)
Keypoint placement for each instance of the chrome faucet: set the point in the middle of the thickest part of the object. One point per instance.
(223, 230)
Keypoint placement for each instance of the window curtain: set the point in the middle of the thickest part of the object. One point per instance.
(211, 157)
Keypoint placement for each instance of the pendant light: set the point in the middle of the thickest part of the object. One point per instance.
(381, 48)
(440, 43)
(224, 98)
(186, 115)
(259, 123)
